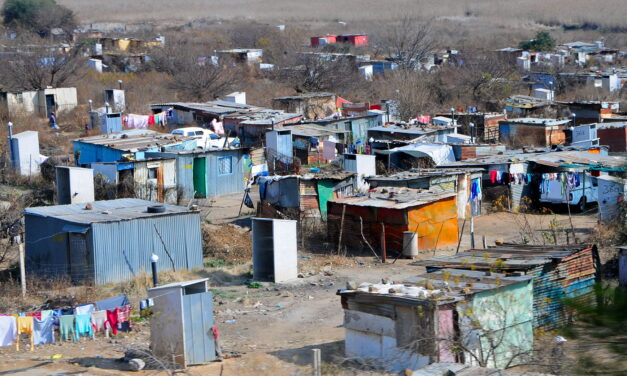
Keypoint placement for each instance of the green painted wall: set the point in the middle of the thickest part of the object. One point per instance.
(499, 322)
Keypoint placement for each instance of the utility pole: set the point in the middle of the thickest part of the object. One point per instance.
(22, 266)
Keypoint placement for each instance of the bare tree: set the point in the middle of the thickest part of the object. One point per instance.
(321, 73)
(194, 74)
(40, 66)
(409, 42)
(203, 82)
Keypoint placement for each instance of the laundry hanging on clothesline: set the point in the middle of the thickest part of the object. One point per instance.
(112, 315)
(568, 181)
(144, 121)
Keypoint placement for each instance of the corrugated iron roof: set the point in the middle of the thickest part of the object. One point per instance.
(506, 257)
(304, 96)
(454, 285)
(247, 114)
(394, 198)
(313, 130)
(134, 139)
(425, 172)
(410, 129)
(104, 211)
(566, 157)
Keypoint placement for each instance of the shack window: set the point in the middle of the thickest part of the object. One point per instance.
(19, 98)
(152, 173)
(225, 165)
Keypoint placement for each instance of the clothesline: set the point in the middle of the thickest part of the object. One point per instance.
(111, 314)
(144, 121)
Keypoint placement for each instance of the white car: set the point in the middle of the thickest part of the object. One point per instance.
(551, 191)
(205, 138)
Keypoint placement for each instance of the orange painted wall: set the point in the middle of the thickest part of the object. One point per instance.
(436, 224)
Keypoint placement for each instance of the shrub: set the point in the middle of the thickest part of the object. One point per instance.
(40, 16)
(542, 42)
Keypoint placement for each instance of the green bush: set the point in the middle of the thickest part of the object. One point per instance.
(542, 42)
(40, 16)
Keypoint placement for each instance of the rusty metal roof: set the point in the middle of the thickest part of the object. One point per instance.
(505, 257)
(447, 286)
(394, 198)
(134, 139)
(416, 173)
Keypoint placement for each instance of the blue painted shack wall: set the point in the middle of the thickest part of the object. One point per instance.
(89, 153)
(216, 184)
(85, 153)
(47, 246)
(122, 250)
(225, 184)
(550, 291)
(379, 67)
(118, 250)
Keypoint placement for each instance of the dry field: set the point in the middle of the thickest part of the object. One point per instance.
(605, 13)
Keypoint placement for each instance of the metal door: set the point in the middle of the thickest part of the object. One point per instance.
(79, 262)
(197, 324)
(50, 104)
(200, 181)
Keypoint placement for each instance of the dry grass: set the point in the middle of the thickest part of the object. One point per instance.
(46, 294)
(229, 243)
(499, 13)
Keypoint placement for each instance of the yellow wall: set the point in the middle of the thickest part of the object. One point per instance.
(435, 223)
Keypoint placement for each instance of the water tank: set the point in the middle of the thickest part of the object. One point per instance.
(410, 244)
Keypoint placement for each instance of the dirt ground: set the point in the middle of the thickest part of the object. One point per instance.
(271, 329)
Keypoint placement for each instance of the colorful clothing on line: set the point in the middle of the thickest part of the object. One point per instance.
(84, 309)
(44, 331)
(66, 328)
(99, 320)
(83, 325)
(25, 325)
(112, 320)
(124, 318)
(47, 313)
(8, 330)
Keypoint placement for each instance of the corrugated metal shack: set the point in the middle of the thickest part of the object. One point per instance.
(245, 121)
(309, 142)
(427, 318)
(525, 132)
(613, 135)
(433, 216)
(207, 173)
(466, 183)
(559, 272)
(486, 124)
(152, 179)
(516, 176)
(302, 197)
(404, 134)
(456, 369)
(111, 242)
(128, 145)
(311, 105)
(469, 151)
(357, 125)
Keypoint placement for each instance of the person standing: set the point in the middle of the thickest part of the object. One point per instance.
(53, 121)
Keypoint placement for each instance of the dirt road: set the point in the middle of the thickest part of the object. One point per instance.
(274, 327)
